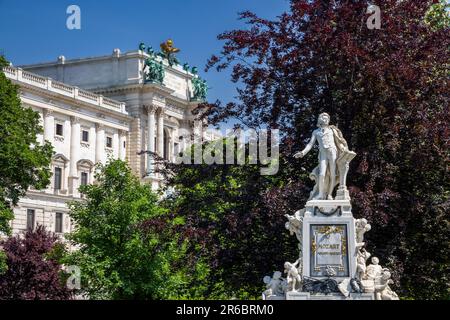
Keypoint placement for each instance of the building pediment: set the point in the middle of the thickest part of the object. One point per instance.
(60, 157)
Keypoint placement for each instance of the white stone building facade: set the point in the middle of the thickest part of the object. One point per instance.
(97, 108)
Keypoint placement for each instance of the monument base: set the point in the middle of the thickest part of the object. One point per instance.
(332, 263)
(333, 296)
(293, 295)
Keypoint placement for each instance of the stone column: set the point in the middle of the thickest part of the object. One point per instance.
(160, 133)
(74, 145)
(99, 143)
(116, 145)
(122, 141)
(74, 154)
(49, 125)
(150, 136)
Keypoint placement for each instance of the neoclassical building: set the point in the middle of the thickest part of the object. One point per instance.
(96, 108)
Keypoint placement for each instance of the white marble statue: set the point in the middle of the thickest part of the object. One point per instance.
(274, 285)
(334, 159)
(294, 224)
(376, 280)
(373, 270)
(361, 263)
(361, 227)
(382, 289)
(293, 277)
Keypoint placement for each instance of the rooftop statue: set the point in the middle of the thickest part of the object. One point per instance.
(200, 89)
(334, 159)
(168, 52)
(153, 70)
(168, 48)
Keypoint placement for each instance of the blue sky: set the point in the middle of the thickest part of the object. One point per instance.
(35, 31)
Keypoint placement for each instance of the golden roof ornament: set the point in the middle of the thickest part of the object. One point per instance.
(168, 48)
(168, 51)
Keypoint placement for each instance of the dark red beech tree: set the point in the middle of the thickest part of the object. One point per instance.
(386, 89)
(34, 272)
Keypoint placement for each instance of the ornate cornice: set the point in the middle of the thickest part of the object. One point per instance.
(133, 87)
(175, 108)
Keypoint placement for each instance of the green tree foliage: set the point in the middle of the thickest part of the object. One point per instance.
(438, 15)
(3, 264)
(126, 247)
(24, 163)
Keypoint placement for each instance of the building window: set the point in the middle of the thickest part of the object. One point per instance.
(58, 178)
(30, 219)
(59, 129)
(108, 142)
(84, 178)
(85, 136)
(58, 222)
(124, 144)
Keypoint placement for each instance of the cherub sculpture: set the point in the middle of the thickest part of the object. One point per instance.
(293, 277)
(294, 224)
(274, 285)
(361, 262)
(382, 289)
(362, 227)
(373, 270)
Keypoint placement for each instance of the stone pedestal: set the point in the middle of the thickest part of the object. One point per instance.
(329, 239)
(334, 296)
(331, 264)
(342, 193)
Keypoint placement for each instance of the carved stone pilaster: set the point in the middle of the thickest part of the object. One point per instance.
(99, 142)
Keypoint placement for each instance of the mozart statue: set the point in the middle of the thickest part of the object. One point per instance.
(334, 159)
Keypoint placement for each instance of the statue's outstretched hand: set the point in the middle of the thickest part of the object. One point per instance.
(299, 155)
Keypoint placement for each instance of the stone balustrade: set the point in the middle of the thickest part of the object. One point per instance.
(49, 84)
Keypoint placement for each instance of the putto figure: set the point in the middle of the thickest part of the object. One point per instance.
(334, 159)
(361, 226)
(274, 285)
(293, 277)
